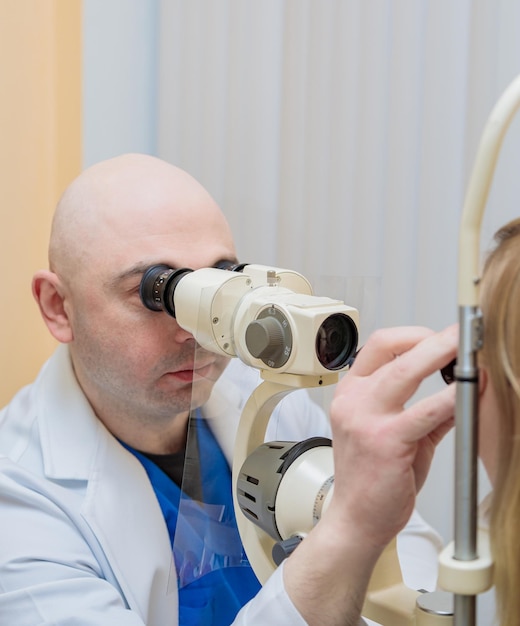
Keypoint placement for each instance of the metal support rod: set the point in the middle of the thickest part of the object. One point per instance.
(466, 452)
(465, 610)
(466, 435)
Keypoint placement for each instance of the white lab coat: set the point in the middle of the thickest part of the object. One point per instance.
(82, 537)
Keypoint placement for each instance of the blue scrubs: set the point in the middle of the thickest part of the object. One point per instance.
(215, 578)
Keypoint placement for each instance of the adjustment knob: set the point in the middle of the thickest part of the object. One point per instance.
(269, 337)
(265, 338)
(283, 549)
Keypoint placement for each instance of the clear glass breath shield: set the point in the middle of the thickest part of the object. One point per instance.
(207, 539)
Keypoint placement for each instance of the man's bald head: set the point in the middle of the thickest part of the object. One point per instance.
(123, 198)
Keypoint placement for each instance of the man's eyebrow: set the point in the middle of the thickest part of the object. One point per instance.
(136, 271)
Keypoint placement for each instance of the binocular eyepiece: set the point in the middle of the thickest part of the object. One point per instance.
(158, 285)
(259, 314)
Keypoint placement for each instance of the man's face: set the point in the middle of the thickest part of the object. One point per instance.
(128, 359)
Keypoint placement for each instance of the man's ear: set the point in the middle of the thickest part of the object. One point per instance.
(48, 292)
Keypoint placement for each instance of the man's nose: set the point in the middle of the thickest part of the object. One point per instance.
(180, 335)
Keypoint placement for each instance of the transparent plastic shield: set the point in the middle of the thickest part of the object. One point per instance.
(207, 538)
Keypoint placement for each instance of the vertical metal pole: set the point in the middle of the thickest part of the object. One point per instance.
(466, 452)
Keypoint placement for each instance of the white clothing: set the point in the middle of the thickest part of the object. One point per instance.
(83, 539)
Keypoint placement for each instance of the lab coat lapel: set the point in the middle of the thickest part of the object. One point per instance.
(69, 430)
(120, 506)
(132, 532)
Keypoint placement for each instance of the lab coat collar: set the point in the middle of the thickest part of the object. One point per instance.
(69, 429)
(76, 445)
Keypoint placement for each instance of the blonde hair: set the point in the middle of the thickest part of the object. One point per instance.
(500, 303)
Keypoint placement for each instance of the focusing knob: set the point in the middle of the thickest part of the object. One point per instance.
(269, 337)
(264, 337)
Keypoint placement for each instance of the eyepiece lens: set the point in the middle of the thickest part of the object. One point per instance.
(151, 289)
(230, 266)
(158, 285)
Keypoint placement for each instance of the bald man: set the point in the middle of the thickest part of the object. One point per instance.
(94, 527)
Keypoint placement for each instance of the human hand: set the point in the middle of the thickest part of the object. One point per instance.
(382, 447)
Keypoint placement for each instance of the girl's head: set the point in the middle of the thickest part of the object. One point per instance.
(500, 356)
(499, 412)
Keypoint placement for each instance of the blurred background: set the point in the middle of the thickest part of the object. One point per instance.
(337, 135)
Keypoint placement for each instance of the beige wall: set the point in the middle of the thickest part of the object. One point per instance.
(40, 151)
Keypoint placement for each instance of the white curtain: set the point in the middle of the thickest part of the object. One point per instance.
(338, 137)
(338, 134)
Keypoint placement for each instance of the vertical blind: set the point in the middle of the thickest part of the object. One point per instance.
(338, 137)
